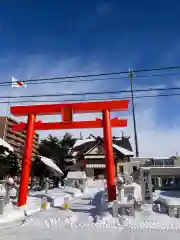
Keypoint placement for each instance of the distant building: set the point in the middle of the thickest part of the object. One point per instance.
(17, 139)
(89, 154)
(165, 171)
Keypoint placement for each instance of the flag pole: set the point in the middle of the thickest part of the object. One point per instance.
(7, 113)
(15, 83)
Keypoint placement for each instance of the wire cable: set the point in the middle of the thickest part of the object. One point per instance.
(93, 79)
(92, 93)
(97, 75)
(92, 99)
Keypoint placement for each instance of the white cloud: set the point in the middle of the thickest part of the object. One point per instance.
(154, 138)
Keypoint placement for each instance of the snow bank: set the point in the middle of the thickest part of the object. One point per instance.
(137, 191)
(51, 220)
(56, 196)
(11, 213)
(74, 192)
(171, 198)
(32, 206)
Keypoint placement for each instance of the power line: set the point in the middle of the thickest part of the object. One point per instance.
(3, 84)
(95, 75)
(93, 93)
(93, 99)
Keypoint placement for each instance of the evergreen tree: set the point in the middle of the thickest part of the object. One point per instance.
(9, 163)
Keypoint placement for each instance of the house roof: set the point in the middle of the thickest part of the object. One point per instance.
(122, 150)
(80, 142)
(122, 145)
(84, 145)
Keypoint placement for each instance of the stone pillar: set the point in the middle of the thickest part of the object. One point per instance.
(47, 183)
(115, 209)
(8, 186)
(121, 195)
(146, 185)
(120, 184)
(159, 182)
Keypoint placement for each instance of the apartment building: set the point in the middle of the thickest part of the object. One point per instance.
(17, 139)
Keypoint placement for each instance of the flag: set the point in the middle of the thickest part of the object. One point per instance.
(17, 83)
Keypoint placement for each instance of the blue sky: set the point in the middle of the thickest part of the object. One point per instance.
(55, 38)
(136, 33)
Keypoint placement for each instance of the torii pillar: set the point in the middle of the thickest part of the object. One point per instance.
(110, 176)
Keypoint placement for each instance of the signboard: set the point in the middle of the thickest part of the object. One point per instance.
(147, 196)
(146, 185)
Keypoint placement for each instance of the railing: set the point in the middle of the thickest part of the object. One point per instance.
(161, 165)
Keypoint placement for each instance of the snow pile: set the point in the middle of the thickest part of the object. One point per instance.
(153, 226)
(58, 200)
(88, 212)
(32, 206)
(74, 192)
(170, 198)
(11, 213)
(52, 221)
(137, 191)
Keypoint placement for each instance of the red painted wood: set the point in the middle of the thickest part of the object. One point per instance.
(83, 107)
(26, 166)
(98, 123)
(109, 156)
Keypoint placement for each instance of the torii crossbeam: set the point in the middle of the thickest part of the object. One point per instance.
(67, 111)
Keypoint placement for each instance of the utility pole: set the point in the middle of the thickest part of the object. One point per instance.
(133, 112)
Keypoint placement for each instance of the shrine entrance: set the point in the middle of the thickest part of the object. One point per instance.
(67, 111)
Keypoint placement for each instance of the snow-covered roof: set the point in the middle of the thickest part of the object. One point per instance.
(76, 175)
(79, 142)
(5, 144)
(49, 162)
(123, 150)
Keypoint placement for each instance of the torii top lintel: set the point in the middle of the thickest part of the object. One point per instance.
(83, 107)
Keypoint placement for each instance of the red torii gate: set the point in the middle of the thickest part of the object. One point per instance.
(67, 111)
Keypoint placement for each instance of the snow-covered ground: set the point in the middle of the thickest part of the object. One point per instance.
(86, 220)
(55, 197)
